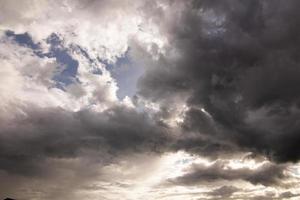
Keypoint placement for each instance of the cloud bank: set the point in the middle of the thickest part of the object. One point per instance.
(211, 111)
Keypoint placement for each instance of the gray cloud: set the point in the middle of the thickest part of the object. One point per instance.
(287, 195)
(57, 133)
(237, 60)
(52, 153)
(224, 191)
(267, 174)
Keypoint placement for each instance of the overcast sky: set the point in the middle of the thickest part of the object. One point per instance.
(149, 99)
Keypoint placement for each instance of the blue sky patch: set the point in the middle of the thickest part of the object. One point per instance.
(56, 50)
(126, 73)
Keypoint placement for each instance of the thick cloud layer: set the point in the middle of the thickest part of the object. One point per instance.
(214, 115)
(239, 62)
(56, 133)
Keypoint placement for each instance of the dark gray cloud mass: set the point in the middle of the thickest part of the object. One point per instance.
(267, 174)
(240, 62)
(25, 143)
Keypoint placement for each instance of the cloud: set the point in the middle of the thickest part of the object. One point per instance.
(237, 61)
(56, 133)
(224, 191)
(215, 80)
(42, 147)
(288, 195)
(267, 174)
(61, 120)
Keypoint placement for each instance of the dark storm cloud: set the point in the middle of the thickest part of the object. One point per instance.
(240, 62)
(46, 133)
(267, 174)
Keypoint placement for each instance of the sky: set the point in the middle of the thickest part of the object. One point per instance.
(149, 99)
